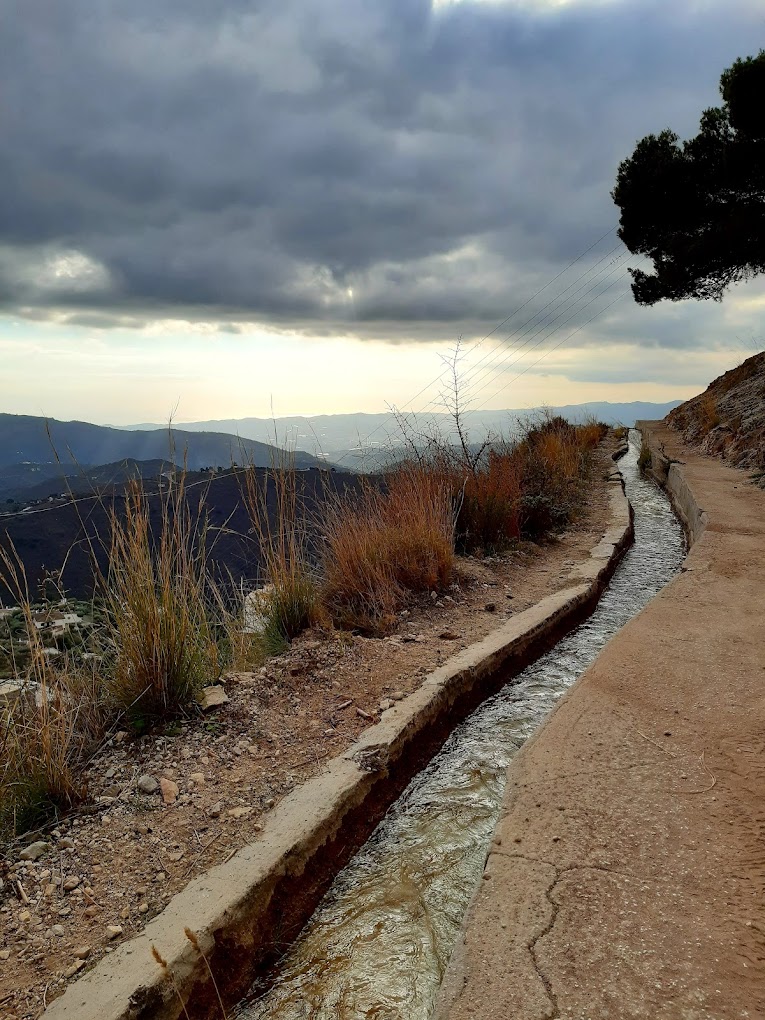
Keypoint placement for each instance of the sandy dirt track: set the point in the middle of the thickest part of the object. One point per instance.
(626, 879)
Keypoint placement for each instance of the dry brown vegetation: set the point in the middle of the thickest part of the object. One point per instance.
(165, 629)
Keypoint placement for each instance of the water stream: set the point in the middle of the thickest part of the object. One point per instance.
(377, 946)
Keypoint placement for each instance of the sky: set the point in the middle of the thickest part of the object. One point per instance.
(269, 206)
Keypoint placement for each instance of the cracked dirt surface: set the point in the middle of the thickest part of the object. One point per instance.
(626, 878)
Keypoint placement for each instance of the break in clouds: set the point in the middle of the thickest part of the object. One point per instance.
(366, 166)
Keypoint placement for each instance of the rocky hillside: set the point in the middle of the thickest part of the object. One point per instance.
(728, 418)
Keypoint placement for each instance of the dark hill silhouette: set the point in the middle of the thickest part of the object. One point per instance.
(27, 482)
(28, 438)
(61, 535)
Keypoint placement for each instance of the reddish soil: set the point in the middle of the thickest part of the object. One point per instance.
(129, 852)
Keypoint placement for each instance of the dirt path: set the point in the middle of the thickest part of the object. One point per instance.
(626, 876)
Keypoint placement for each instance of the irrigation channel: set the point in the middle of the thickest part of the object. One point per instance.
(377, 946)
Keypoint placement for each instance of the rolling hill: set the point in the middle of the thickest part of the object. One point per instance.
(36, 450)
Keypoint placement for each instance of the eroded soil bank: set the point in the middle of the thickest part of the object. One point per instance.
(104, 874)
(625, 877)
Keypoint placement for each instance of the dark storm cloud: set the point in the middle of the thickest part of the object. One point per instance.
(345, 162)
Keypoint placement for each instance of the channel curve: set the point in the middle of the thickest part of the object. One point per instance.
(378, 944)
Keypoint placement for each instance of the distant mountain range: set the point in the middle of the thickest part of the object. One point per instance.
(41, 455)
(363, 439)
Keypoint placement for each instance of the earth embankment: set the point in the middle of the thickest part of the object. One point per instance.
(626, 874)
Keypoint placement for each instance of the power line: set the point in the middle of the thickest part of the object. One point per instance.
(492, 355)
(571, 302)
(577, 307)
(507, 318)
(565, 339)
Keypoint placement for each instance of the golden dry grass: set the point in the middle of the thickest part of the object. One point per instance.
(160, 606)
(384, 543)
(47, 731)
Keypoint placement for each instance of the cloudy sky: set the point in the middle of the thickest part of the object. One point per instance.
(224, 207)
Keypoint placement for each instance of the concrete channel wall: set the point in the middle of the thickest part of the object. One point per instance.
(669, 474)
(260, 899)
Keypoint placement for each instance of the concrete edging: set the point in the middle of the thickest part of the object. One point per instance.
(669, 475)
(260, 898)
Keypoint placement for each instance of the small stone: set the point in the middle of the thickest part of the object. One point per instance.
(449, 635)
(91, 911)
(143, 908)
(71, 883)
(397, 696)
(120, 736)
(147, 784)
(34, 851)
(113, 931)
(239, 812)
(215, 810)
(364, 715)
(212, 697)
(490, 607)
(169, 791)
(71, 971)
(58, 931)
(67, 843)
(25, 916)
(197, 778)
(385, 704)
(5, 954)
(83, 952)
(125, 913)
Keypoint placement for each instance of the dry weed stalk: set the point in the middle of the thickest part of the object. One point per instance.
(192, 937)
(279, 520)
(171, 978)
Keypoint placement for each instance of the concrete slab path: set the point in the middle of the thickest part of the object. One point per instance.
(626, 880)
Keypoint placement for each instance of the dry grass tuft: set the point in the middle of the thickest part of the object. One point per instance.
(279, 523)
(381, 545)
(49, 729)
(161, 607)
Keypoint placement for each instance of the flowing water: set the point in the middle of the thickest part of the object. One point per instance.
(377, 945)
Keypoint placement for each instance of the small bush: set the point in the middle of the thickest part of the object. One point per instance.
(47, 731)
(160, 607)
(280, 526)
(644, 458)
(380, 546)
(488, 498)
(708, 416)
